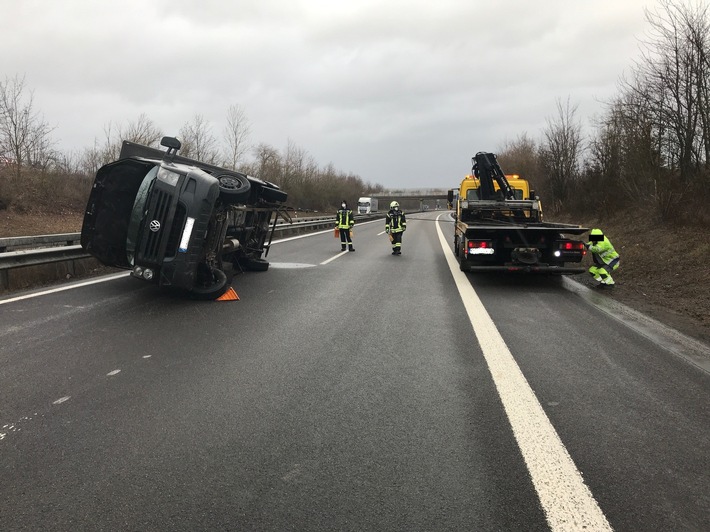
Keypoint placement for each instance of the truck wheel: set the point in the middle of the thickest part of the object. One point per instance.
(233, 188)
(210, 285)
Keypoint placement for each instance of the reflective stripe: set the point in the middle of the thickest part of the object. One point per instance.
(344, 219)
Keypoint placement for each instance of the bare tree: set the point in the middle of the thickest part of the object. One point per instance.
(268, 165)
(521, 157)
(561, 152)
(672, 80)
(236, 133)
(24, 135)
(670, 87)
(142, 131)
(198, 141)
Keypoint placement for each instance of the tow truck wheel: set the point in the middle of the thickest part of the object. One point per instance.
(210, 285)
(233, 188)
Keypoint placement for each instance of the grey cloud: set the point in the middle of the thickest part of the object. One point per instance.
(396, 92)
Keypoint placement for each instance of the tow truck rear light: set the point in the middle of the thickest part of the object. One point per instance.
(570, 246)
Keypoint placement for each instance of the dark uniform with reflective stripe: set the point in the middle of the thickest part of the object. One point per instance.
(344, 221)
(395, 225)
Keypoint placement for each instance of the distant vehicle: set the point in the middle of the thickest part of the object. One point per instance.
(367, 205)
(176, 221)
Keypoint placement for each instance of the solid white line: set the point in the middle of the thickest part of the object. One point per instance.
(331, 259)
(567, 501)
(67, 287)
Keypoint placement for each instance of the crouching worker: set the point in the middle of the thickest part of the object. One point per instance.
(605, 257)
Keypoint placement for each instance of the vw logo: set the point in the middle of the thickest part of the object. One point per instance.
(155, 226)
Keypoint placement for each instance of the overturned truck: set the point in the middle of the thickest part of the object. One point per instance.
(178, 222)
(499, 226)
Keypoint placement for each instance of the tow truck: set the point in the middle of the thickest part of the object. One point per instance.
(499, 226)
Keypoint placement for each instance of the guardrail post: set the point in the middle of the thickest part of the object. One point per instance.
(5, 279)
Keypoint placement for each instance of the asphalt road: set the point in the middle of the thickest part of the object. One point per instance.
(353, 391)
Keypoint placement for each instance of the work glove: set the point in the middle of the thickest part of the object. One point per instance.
(387, 230)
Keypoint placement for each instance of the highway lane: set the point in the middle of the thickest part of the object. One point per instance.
(343, 391)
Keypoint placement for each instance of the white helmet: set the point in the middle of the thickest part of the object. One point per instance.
(394, 204)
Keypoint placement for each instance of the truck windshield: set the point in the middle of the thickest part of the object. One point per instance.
(138, 213)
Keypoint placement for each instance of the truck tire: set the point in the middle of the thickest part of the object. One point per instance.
(211, 288)
(233, 188)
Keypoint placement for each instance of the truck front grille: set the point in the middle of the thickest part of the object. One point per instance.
(158, 212)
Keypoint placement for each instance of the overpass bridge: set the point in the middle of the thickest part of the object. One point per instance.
(413, 202)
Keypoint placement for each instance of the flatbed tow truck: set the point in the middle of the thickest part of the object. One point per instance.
(499, 226)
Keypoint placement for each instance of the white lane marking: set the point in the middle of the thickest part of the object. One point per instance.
(68, 287)
(291, 265)
(331, 259)
(61, 400)
(147, 356)
(567, 501)
(114, 372)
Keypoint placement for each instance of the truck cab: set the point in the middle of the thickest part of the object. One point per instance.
(175, 221)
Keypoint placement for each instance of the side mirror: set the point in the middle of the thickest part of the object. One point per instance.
(172, 144)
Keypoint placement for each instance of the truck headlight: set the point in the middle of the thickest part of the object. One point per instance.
(185, 240)
(167, 176)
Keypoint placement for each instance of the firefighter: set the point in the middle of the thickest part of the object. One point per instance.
(344, 221)
(605, 257)
(395, 225)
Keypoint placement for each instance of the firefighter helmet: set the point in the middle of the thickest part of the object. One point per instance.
(394, 204)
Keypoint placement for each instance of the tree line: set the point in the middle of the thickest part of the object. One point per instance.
(33, 174)
(649, 150)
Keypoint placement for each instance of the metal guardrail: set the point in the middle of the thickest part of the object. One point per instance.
(22, 251)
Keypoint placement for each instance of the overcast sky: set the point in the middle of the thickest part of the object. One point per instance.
(401, 93)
